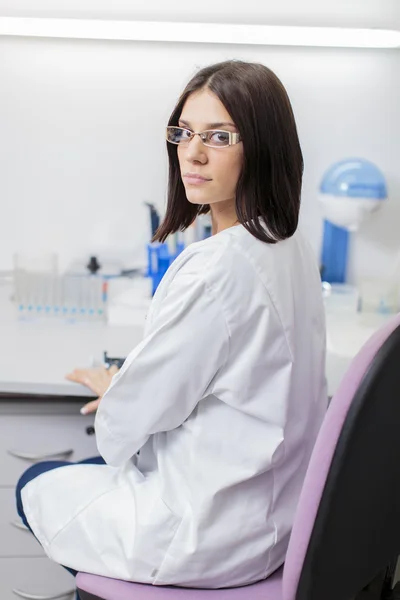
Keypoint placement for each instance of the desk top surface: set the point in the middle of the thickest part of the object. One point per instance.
(37, 354)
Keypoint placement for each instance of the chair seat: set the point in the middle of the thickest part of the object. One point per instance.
(113, 589)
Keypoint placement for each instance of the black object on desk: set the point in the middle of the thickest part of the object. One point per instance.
(108, 361)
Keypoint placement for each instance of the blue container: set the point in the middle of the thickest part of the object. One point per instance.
(159, 260)
(152, 258)
(159, 263)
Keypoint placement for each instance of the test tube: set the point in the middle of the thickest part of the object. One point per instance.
(70, 297)
(82, 297)
(101, 289)
(57, 295)
(19, 290)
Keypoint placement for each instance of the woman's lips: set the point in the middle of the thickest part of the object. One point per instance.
(194, 179)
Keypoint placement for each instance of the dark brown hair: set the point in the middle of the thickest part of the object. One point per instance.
(269, 186)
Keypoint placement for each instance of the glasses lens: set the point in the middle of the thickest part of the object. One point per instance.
(217, 138)
(177, 135)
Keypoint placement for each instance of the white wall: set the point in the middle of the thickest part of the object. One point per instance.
(81, 122)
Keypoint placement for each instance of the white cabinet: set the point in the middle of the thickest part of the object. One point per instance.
(34, 431)
(15, 538)
(26, 439)
(35, 579)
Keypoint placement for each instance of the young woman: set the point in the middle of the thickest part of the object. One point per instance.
(225, 395)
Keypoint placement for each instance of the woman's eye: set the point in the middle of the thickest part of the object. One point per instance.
(220, 138)
(183, 135)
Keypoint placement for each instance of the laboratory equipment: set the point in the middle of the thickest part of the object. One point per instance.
(105, 266)
(160, 259)
(154, 218)
(379, 295)
(40, 291)
(129, 300)
(160, 255)
(203, 226)
(341, 299)
(109, 361)
(350, 190)
(93, 265)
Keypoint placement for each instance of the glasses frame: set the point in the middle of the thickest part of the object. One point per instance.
(234, 138)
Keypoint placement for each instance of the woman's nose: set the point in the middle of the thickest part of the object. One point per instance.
(196, 151)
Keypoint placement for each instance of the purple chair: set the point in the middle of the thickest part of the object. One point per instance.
(346, 534)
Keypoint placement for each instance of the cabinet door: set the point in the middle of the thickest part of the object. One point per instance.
(26, 439)
(34, 579)
(15, 538)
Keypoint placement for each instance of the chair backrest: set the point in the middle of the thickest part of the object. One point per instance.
(347, 524)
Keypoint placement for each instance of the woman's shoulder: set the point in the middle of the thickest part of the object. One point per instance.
(204, 256)
(203, 266)
(235, 259)
(219, 263)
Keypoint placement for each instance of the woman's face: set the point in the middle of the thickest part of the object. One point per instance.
(210, 175)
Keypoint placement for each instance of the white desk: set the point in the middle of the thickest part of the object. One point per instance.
(37, 355)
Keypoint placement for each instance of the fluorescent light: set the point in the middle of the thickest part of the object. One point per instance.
(213, 33)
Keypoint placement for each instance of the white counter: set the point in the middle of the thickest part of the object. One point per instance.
(345, 336)
(37, 354)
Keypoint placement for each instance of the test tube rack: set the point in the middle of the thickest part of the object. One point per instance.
(69, 297)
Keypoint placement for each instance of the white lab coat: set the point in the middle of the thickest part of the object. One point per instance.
(223, 397)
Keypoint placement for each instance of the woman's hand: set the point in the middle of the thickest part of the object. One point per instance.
(96, 379)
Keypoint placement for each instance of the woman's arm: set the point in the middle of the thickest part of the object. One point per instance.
(164, 378)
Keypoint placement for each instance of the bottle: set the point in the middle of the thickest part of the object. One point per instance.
(163, 262)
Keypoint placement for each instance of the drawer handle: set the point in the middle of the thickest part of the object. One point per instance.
(31, 456)
(19, 525)
(28, 596)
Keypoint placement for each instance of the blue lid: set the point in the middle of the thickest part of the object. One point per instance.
(354, 178)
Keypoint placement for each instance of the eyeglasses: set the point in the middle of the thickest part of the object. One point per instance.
(214, 138)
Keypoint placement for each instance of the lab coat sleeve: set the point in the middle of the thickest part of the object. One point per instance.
(164, 378)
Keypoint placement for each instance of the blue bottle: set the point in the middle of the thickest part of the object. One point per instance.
(162, 262)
